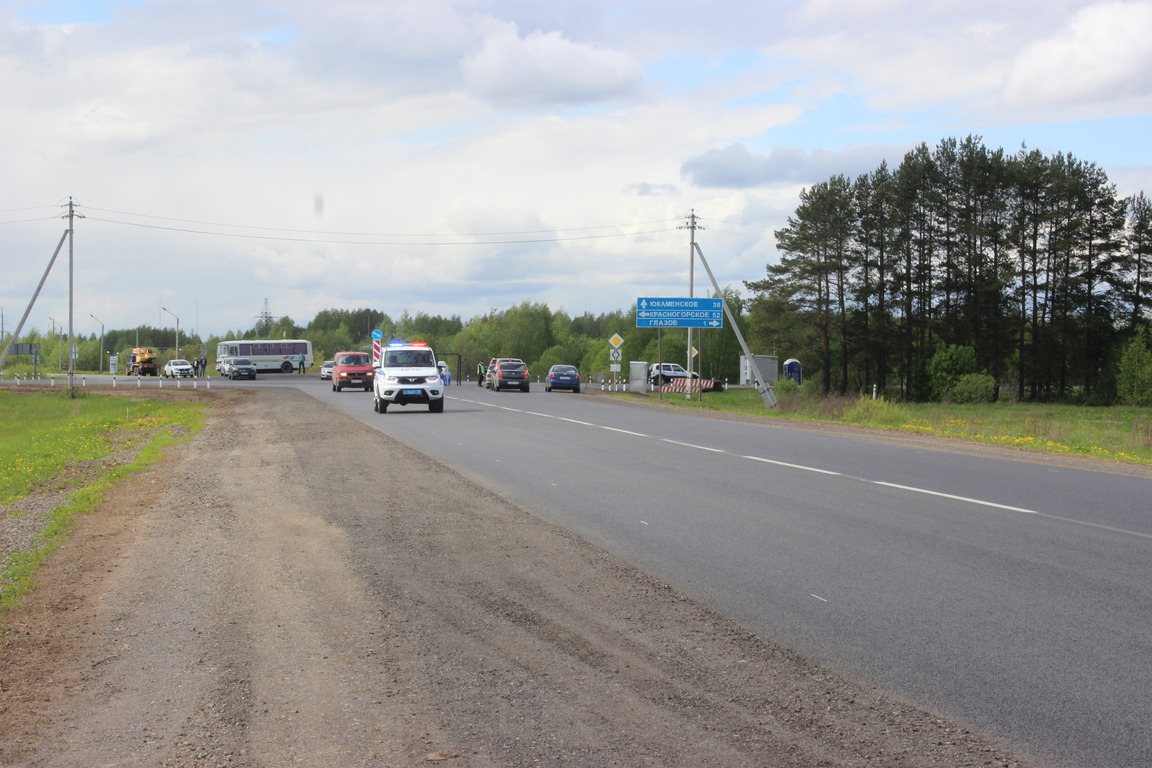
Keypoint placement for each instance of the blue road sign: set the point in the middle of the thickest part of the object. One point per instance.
(673, 312)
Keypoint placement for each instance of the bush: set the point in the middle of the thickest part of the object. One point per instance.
(973, 388)
(876, 413)
(1134, 375)
(785, 386)
(950, 363)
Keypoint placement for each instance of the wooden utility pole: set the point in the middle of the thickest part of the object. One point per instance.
(71, 295)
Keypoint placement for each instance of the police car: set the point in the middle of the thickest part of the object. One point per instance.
(407, 375)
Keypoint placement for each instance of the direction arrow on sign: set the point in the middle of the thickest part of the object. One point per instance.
(672, 312)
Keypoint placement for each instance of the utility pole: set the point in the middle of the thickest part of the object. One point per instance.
(691, 226)
(763, 385)
(71, 293)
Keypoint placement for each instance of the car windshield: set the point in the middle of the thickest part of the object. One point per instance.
(410, 358)
(354, 360)
(510, 366)
(241, 361)
(179, 362)
(564, 369)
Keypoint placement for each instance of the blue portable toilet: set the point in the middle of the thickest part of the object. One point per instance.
(794, 371)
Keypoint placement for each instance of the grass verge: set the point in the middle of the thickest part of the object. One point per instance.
(76, 449)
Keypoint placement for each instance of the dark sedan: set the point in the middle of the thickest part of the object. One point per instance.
(510, 374)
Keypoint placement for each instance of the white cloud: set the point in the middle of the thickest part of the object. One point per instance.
(545, 69)
(1101, 57)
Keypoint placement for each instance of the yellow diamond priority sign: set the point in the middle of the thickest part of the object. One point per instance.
(616, 340)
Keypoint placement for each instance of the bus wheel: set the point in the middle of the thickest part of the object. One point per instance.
(285, 367)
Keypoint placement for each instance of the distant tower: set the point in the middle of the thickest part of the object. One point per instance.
(264, 321)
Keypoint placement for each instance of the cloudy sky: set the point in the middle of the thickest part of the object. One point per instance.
(455, 156)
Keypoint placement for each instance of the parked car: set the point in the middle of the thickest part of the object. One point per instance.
(494, 368)
(174, 368)
(663, 373)
(241, 368)
(511, 374)
(352, 369)
(326, 369)
(562, 377)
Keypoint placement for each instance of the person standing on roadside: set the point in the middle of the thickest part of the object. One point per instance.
(204, 366)
(195, 367)
(300, 369)
(480, 371)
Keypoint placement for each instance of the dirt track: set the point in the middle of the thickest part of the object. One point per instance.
(320, 595)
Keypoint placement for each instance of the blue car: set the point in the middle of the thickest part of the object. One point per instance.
(562, 377)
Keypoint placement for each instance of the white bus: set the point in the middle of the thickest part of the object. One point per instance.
(268, 355)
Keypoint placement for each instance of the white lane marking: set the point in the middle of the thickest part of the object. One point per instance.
(821, 599)
(575, 421)
(1046, 515)
(793, 466)
(625, 431)
(692, 445)
(955, 498)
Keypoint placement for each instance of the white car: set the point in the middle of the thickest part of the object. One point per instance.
(174, 368)
(407, 376)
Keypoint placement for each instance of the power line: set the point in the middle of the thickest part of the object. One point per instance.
(382, 241)
(368, 234)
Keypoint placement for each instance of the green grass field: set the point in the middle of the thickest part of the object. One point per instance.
(75, 448)
(1116, 433)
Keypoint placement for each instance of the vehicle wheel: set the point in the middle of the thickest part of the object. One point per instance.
(436, 406)
(285, 367)
(576, 391)
(524, 388)
(547, 388)
(336, 388)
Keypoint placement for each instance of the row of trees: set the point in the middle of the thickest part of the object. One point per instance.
(531, 331)
(1032, 261)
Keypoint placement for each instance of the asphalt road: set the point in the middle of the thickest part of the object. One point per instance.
(1008, 594)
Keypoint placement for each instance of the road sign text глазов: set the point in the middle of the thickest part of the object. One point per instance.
(679, 312)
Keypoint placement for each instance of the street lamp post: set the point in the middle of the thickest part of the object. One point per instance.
(59, 359)
(177, 330)
(101, 341)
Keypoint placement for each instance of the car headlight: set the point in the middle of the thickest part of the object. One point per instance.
(391, 379)
(432, 379)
